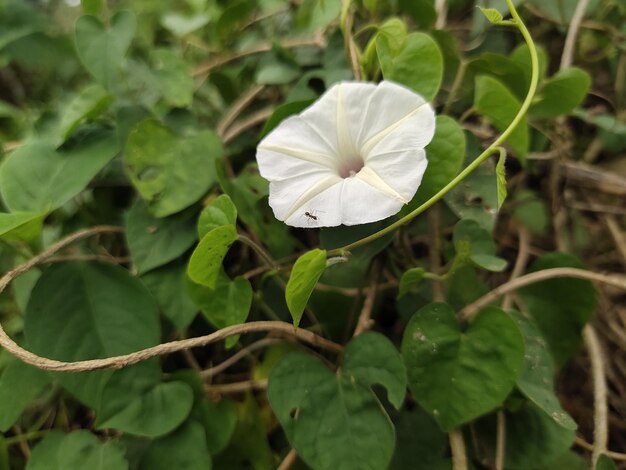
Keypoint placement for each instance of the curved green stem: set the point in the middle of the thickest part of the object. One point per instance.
(481, 158)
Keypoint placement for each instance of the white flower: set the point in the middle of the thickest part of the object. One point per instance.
(354, 156)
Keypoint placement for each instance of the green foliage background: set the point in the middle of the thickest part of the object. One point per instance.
(142, 117)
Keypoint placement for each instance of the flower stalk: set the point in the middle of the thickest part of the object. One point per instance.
(493, 148)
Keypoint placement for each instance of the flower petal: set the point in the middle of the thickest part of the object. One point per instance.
(362, 203)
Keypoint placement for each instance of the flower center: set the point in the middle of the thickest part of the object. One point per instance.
(351, 167)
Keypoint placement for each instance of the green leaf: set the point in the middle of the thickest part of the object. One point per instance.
(495, 101)
(304, 275)
(184, 448)
(410, 278)
(160, 163)
(206, 260)
(501, 177)
(492, 15)
(560, 307)
(418, 65)
(309, 400)
(482, 248)
(219, 420)
(93, 310)
(226, 304)
(373, 359)
(283, 112)
(173, 77)
(79, 449)
(20, 384)
(36, 177)
(445, 155)
(88, 102)
(605, 463)
(101, 50)
(153, 413)
(219, 211)
(154, 242)
(561, 93)
(531, 211)
(21, 225)
(536, 381)
(167, 285)
(457, 376)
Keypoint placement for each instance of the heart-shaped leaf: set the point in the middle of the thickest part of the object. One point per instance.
(304, 275)
(159, 163)
(102, 50)
(457, 376)
(205, 263)
(328, 418)
(79, 449)
(21, 225)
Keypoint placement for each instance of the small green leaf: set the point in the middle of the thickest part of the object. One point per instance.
(79, 449)
(494, 100)
(304, 275)
(283, 112)
(418, 65)
(205, 263)
(226, 304)
(160, 163)
(605, 463)
(492, 15)
(102, 50)
(184, 448)
(482, 248)
(501, 176)
(457, 376)
(310, 400)
(219, 211)
(21, 225)
(154, 242)
(34, 178)
(561, 93)
(536, 381)
(560, 307)
(410, 278)
(20, 384)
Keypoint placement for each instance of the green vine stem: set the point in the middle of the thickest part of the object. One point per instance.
(517, 21)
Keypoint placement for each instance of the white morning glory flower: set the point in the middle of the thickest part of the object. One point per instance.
(354, 156)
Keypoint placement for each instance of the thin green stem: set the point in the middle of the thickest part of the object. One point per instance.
(480, 159)
(28, 436)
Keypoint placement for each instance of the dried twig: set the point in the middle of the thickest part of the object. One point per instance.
(600, 407)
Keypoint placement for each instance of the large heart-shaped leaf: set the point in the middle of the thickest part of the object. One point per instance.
(160, 163)
(328, 418)
(36, 177)
(561, 93)
(205, 263)
(457, 376)
(102, 50)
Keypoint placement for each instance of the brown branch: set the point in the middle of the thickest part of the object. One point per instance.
(251, 121)
(237, 387)
(207, 373)
(579, 441)
(118, 362)
(600, 407)
(473, 308)
(365, 321)
(289, 460)
(520, 262)
(237, 108)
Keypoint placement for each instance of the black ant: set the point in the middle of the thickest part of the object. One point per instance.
(311, 216)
